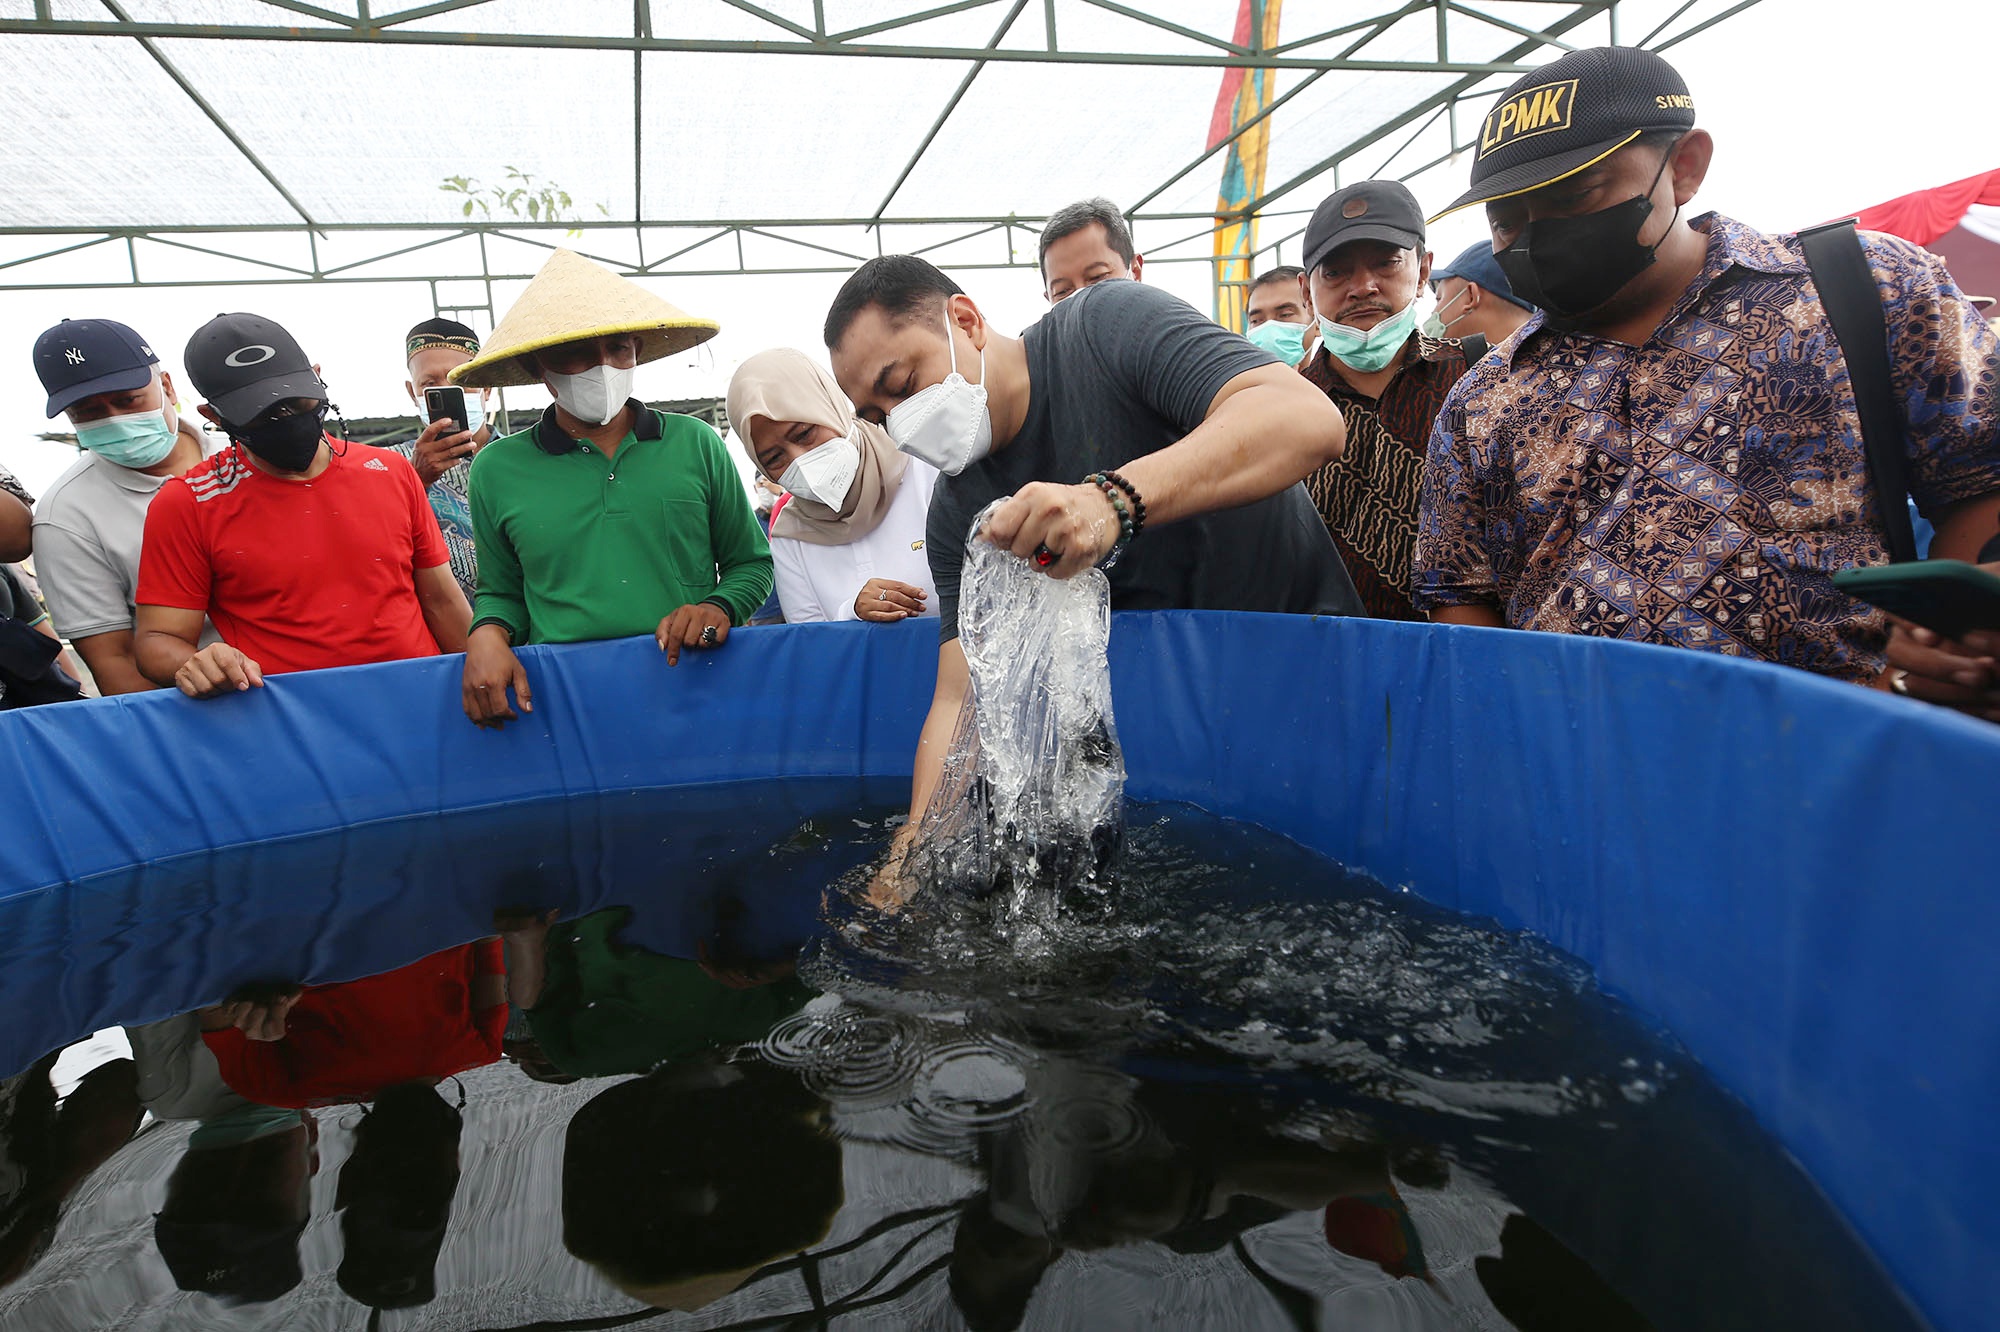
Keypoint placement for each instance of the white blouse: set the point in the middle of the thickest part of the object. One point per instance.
(821, 582)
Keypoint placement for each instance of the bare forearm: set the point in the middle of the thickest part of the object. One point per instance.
(114, 664)
(932, 745)
(1485, 617)
(160, 654)
(1257, 442)
(449, 617)
(526, 968)
(954, 679)
(16, 529)
(1964, 528)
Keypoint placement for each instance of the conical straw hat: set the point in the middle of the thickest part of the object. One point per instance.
(574, 298)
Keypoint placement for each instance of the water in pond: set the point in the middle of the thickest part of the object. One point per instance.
(1244, 1090)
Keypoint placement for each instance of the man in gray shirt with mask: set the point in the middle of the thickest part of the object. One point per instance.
(88, 525)
(1204, 436)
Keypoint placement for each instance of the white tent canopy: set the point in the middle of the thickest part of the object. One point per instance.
(210, 142)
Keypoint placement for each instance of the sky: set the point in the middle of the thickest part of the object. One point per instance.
(1818, 108)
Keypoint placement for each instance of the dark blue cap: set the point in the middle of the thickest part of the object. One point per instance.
(82, 357)
(1477, 265)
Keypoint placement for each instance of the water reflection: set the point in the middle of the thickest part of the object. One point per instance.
(1251, 1092)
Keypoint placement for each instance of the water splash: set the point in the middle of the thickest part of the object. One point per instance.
(1033, 792)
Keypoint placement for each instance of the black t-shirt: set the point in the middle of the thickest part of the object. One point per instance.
(1118, 371)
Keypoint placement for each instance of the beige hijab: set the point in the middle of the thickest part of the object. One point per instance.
(786, 385)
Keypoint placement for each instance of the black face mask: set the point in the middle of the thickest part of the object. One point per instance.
(1571, 265)
(289, 443)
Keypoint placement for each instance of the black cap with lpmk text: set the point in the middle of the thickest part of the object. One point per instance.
(1567, 116)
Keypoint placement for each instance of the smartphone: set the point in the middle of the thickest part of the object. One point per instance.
(446, 401)
(1949, 596)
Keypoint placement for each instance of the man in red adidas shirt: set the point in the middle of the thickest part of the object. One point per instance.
(301, 556)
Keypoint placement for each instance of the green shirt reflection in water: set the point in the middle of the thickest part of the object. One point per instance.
(575, 546)
(609, 1007)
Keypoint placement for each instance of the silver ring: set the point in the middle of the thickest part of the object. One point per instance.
(881, 594)
(1899, 683)
(708, 635)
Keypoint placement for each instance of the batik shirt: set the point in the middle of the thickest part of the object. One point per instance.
(1701, 490)
(1368, 496)
(451, 500)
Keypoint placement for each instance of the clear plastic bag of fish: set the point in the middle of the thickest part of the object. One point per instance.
(1032, 801)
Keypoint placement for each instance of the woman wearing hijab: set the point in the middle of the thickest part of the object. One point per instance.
(850, 543)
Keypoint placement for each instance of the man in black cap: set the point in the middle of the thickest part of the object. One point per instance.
(302, 556)
(1474, 296)
(1366, 265)
(1671, 452)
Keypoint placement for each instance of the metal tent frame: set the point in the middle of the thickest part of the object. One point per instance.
(460, 260)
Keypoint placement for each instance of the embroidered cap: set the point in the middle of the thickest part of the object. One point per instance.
(1378, 210)
(1559, 119)
(80, 358)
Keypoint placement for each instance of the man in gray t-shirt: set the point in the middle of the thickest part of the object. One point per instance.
(88, 525)
(1212, 434)
(1120, 370)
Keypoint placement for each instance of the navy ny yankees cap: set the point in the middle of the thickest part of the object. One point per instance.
(80, 358)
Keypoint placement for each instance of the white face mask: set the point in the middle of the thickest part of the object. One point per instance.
(947, 424)
(824, 473)
(593, 396)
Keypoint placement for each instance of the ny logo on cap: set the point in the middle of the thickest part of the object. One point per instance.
(74, 356)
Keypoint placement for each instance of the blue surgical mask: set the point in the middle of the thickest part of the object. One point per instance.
(140, 440)
(1370, 351)
(1287, 342)
(475, 411)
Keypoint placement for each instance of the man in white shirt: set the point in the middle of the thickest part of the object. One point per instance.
(88, 525)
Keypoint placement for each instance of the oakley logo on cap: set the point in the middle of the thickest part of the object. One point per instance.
(1533, 111)
(243, 357)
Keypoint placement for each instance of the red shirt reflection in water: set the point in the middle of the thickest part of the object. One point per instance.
(346, 1042)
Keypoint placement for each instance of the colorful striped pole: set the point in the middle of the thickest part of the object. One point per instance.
(1245, 94)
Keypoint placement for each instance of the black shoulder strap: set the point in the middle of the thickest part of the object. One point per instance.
(1476, 346)
(1853, 306)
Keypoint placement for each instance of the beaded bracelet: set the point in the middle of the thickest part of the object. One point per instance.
(1138, 505)
(1127, 528)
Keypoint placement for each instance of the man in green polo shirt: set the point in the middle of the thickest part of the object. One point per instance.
(606, 518)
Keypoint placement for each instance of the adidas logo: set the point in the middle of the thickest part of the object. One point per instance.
(376, 465)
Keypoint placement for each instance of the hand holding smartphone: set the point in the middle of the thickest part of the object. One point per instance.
(1949, 597)
(447, 402)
